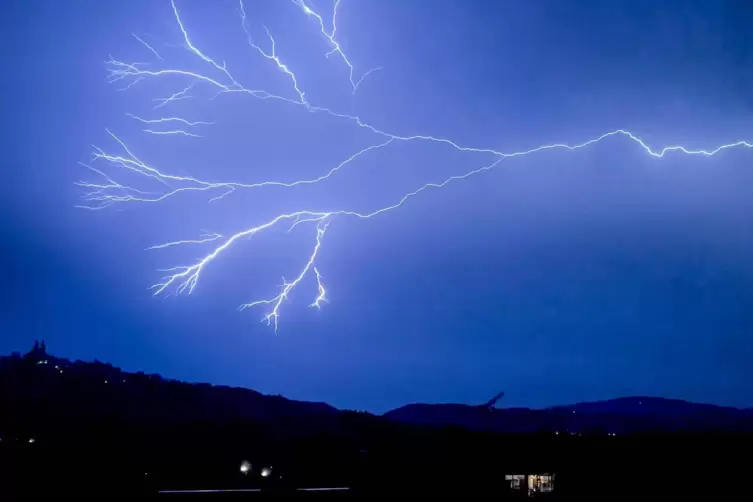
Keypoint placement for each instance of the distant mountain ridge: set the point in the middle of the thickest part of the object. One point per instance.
(614, 416)
(39, 385)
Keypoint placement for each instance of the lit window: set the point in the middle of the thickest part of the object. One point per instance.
(541, 483)
(516, 480)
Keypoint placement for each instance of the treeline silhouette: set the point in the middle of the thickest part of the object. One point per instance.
(90, 428)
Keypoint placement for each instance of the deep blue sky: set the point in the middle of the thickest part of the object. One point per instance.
(558, 277)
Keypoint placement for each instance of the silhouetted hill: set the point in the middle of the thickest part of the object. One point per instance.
(39, 384)
(615, 416)
(90, 428)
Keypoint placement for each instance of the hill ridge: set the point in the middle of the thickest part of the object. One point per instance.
(40, 383)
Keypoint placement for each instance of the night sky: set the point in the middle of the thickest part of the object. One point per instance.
(557, 277)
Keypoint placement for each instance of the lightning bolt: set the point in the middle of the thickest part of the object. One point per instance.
(174, 97)
(147, 46)
(287, 287)
(108, 191)
(196, 51)
(206, 237)
(164, 120)
(169, 119)
(330, 36)
(272, 56)
(173, 132)
(322, 297)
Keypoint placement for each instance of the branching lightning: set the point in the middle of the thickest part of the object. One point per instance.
(272, 56)
(172, 132)
(330, 36)
(147, 46)
(107, 191)
(273, 315)
(174, 97)
(167, 120)
(322, 297)
(206, 237)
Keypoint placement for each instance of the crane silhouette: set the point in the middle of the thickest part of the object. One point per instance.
(493, 401)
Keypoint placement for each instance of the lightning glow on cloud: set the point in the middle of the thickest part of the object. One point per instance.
(106, 191)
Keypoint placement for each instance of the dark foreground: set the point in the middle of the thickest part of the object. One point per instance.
(115, 461)
(89, 429)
